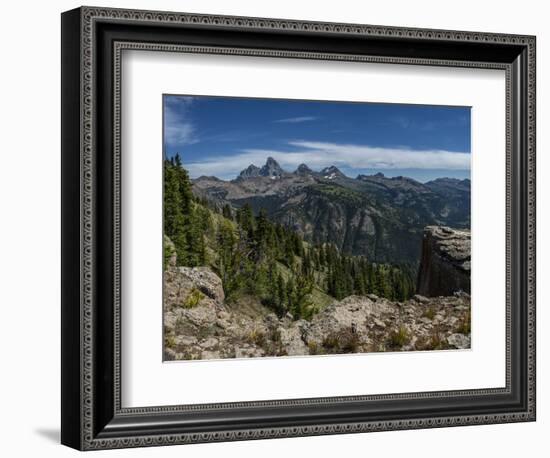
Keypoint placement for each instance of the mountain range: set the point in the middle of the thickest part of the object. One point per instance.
(372, 215)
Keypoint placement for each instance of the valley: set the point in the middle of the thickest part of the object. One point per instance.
(370, 215)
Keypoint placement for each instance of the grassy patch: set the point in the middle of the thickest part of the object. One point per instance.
(436, 342)
(169, 341)
(465, 325)
(339, 192)
(273, 345)
(193, 299)
(399, 337)
(433, 342)
(314, 348)
(256, 337)
(343, 341)
(429, 313)
(320, 299)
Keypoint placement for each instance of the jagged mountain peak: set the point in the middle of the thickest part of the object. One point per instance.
(331, 172)
(303, 169)
(271, 168)
(250, 172)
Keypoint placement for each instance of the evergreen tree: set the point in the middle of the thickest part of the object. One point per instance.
(262, 234)
(227, 260)
(358, 280)
(227, 212)
(184, 186)
(245, 218)
(291, 295)
(281, 295)
(303, 307)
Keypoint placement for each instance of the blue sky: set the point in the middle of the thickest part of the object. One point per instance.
(220, 136)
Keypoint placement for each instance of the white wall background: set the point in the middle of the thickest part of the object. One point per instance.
(30, 229)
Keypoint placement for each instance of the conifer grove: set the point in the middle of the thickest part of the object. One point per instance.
(257, 257)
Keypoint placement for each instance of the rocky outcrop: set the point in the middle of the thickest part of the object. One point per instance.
(372, 324)
(198, 324)
(445, 262)
(180, 281)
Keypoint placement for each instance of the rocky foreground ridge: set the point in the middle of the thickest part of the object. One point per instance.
(198, 324)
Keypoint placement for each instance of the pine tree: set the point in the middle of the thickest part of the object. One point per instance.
(172, 204)
(174, 219)
(227, 212)
(291, 294)
(358, 280)
(303, 307)
(306, 264)
(382, 284)
(184, 186)
(297, 245)
(227, 259)
(281, 295)
(262, 234)
(245, 218)
(371, 280)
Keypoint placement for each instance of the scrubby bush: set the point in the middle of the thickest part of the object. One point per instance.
(399, 337)
(193, 298)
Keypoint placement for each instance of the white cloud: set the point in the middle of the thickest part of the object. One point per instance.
(181, 134)
(364, 156)
(179, 130)
(318, 155)
(296, 120)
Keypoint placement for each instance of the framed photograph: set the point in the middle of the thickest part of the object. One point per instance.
(276, 228)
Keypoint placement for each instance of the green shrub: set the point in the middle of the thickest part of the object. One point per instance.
(433, 342)
(343, 341)
(436, 342)
(465, 325)
(193, 299)
(257, 337)
(330, 342)
(429, 313)
(168, 253)
(314, 348)
(399, 337)
(169, 341)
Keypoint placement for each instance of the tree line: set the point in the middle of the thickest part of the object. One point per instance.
(256, 256)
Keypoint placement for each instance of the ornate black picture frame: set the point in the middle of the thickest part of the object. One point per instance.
(92, 42)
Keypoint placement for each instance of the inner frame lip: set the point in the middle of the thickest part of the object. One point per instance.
(122, 46)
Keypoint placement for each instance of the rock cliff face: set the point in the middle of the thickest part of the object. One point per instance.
(445, 262)
(199, 324)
